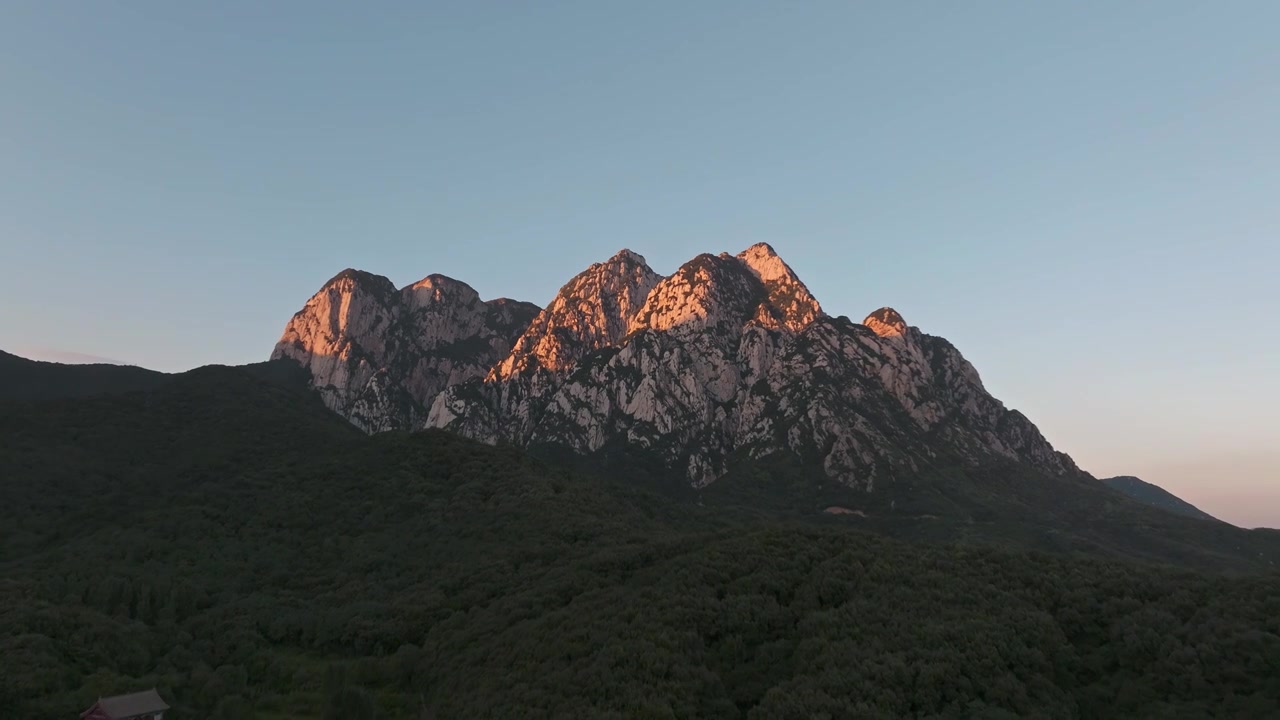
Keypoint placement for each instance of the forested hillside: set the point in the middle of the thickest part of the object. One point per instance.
(21, 378)
(225, 538)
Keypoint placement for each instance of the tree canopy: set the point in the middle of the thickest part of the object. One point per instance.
(228, 541)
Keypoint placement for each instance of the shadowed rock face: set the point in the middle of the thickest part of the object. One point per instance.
(727, 354)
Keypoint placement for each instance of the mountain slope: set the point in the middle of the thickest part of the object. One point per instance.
(1155, 496)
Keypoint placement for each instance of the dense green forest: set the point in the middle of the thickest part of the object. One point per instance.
(224, 538)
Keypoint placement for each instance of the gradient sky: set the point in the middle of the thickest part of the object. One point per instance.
(1084, 198)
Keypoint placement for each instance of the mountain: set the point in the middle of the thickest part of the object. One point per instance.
(378, 355)
(729, 356)
(1155, 496)
(225, 538)
(729, 384)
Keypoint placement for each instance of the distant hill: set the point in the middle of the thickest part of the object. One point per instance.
(1155, 496)
(23, 379)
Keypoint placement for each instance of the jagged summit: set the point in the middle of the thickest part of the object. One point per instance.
(438, 287)
(437, 291)
(708, 291)
(366, 281)
(377, 355)
(886, 322)
(590, 312)
(357, 275)
(761, 247)
(354, 280)
(626, 255)
(794, 306)
(729, 354)
(435, 280)
(764, 261)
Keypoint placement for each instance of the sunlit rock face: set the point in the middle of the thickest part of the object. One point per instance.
(590, 312)
(733, 353)
(379, 356)
(886, 322)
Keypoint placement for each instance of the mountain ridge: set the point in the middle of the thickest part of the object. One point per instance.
(728, 354)
(22, 378)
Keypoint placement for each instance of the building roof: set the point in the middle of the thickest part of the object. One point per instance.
(123, 707)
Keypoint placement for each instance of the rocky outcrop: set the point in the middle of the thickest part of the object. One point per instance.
(378, 355)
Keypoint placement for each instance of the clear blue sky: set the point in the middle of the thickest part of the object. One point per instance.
(1084, 197)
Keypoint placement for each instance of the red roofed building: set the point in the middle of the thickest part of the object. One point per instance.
(145, 705)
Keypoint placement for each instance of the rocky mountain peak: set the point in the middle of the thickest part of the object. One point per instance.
(791, 304)
(708, 291)
(376, 355)
(590, 312)
(438, 290)
(764, 262)
(626, 257)
(438, 283)
(350, 299)
(731, 292)
(352, 281)
(360, 277)
(886, 322)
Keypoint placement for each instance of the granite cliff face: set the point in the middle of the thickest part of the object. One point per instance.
(727, 355)
(379, 356)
